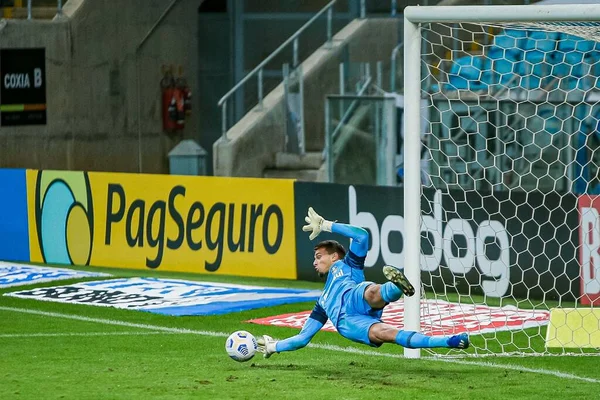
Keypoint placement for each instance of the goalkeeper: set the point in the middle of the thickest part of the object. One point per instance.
(354, 305)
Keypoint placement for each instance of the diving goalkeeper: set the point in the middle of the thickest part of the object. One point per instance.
(354, 305)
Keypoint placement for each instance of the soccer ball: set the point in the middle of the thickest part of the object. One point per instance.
(241, 346)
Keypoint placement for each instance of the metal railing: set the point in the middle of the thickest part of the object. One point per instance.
(294, 40)
(59, 6)
(393, 66)
(258, 71)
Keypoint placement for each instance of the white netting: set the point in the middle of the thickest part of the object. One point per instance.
(513, 113)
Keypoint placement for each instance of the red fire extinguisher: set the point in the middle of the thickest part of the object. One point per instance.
(176, 100)
(187, 95)
(169, 103)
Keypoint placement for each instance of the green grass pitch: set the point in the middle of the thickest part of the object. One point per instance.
(62, 351)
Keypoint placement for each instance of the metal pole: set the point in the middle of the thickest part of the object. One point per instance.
(59, 7)
(295, 49)
(285, 71)
(301, 139)
(139, 111)
(393, 8)
(363, 9)
(28, 9)
(393, 69)
(329, 30)
(412, 176)
(379, 146)
(391, 142)
(224, 120)
(342, 90)
(342, 86)
(260, 90)
(514, 13)
(328, 142)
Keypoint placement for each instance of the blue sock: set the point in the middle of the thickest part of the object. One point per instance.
(390, 292)
(415, 340)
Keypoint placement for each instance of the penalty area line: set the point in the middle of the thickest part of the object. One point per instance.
(352, 350)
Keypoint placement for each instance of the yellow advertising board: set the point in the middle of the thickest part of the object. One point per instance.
(233, 226)
(574, 328)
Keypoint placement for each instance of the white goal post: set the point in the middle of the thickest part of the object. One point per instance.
(529, 106)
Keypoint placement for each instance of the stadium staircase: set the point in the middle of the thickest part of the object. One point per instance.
(255, 145)
(260, 134)
(305, 167)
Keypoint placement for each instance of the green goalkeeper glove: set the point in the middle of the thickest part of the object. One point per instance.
(316, 224)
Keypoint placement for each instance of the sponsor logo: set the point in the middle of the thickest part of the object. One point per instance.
(191, 224)
(18, 274)
(64, 217)
(589, 251)
(441, 237)
(439, 318)
(170, 296)
(145, 222)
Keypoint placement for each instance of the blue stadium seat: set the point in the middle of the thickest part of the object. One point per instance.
(535, 57)
(511, 41)
(574, 57)
(569, 43)
(467, 73)
(574, 50)
(504, 55)
(538, 58)
(501, 72)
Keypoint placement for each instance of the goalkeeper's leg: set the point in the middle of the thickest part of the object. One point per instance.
(385, 333)
(378, 296)
(371, 331)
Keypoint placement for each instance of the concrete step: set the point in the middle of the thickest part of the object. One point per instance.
(307, 175)
(309, 160)
(36, 12)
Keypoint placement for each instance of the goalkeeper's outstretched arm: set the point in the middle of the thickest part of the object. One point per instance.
(313, 324)
(359, 236)
(296, 342)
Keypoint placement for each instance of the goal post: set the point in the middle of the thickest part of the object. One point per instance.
(514, 124)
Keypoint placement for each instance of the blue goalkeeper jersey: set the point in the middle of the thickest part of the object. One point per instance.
(343, 276)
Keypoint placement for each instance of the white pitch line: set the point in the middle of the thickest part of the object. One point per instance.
(30, 335)
(115, 322)
(313, 345)
(513, 367)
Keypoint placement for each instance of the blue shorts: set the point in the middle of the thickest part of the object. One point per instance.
(357, 316)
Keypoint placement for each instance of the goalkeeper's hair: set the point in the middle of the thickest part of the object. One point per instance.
(332, 246)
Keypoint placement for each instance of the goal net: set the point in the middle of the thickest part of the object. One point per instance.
(505, 222)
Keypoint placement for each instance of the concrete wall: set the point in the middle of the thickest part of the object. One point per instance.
(252, 143)
(91, 81)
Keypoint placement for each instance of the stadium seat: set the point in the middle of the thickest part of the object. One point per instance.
(467, 73)
(538, 57)
(511, 41)
(504, 55)
(502, 71)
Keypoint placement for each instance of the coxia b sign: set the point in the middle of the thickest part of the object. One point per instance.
(22, 87)
(193, 224)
